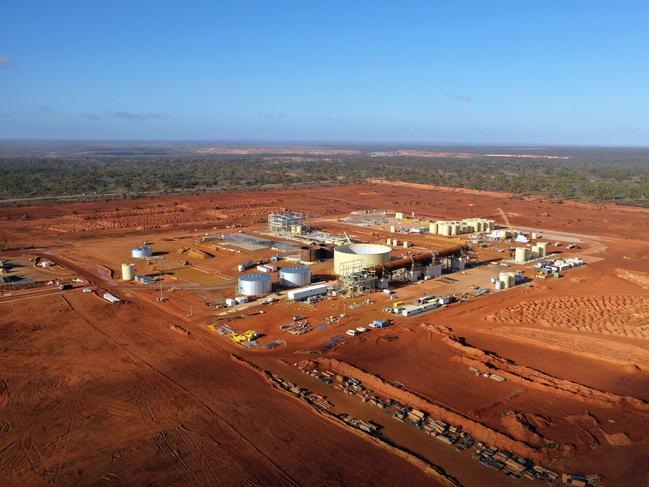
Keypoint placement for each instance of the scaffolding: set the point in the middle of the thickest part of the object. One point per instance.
(355, 280)
(287, 222)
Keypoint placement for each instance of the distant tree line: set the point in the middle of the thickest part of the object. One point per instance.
(589, 174)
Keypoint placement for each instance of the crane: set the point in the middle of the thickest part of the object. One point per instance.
(509, 225)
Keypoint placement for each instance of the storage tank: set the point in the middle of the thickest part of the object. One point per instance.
(432, 228)
(295, 276)
(128, 272)
(522, 255)
(406, 244)
(254, 284)
(359, 256)
(393, 229)
(508, 279)
(309, 253)
(388, 241)
(499, 285)
(141, 252)
(541, 249)
(395, 242)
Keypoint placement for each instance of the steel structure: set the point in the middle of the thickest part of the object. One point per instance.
(248, 242)
(287, 222)
(356, 278)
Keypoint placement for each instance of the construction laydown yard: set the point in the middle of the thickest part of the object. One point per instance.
(185, 341)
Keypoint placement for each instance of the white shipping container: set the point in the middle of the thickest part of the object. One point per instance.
(307, 292)
(111, 298)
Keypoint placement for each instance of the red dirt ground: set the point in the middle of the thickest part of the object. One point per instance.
(99, 394)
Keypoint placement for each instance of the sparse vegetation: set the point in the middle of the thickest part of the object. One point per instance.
(600, 175)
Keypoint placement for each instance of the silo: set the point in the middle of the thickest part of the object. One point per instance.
(499, 285)
(406, 244)
(522, 255)
(388, 241)
(395, 242)
(398, 215)
(254, 284)
(295, 276)
(128, 272)
(432, 228)
(541, 248)
(393, 229)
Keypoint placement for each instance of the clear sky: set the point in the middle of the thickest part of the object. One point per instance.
(487, 71)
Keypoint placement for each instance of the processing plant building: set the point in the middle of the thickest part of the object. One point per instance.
(292, 222)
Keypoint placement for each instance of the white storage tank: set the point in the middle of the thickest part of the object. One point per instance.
(128, 272)
(432, 228)
(393, 229)
(522, 255)
(354, 257)
(141, 252)
(295, 276)
(254, 284)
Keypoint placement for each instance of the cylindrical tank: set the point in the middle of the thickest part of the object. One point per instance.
(254, 284)
(359, 256)
(508, 279)
(522, 255)
(499, 284)
(432, 228)
(393, 229)
(141, 252)
(309, 253)
(406, 244)
(295, 276)
(128, 272)
(395, 242)
(388, 241)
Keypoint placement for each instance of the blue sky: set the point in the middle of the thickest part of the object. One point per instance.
(552, 72)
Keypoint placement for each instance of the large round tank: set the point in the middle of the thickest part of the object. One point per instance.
(295, 276)
(141, 252)
(128, 272)
(358, 256)
(254, 284)
(432, 228)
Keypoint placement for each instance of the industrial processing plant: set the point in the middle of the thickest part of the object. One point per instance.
(351, 311)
